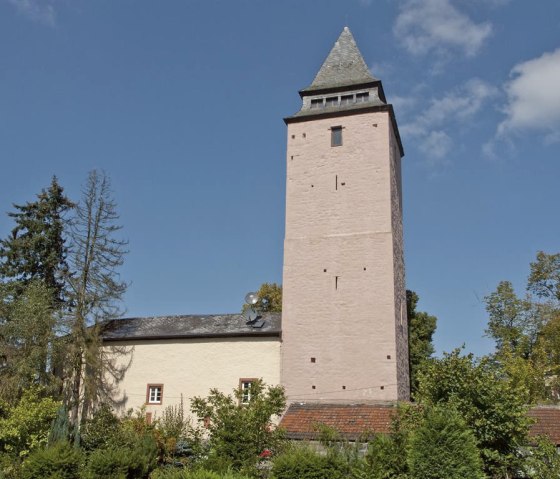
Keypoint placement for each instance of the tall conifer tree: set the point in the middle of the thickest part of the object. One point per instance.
(95, 294)
(36, 247)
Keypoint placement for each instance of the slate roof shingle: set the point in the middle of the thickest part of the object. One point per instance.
(189, 326)
(344, 66)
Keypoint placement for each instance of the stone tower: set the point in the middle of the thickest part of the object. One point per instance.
(344, 325)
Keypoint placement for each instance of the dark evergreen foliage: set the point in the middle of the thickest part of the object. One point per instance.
(36, 248)
(60, 461)
(304, 463)
(443, 447)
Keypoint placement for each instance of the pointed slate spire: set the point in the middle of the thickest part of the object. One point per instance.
(344, 66)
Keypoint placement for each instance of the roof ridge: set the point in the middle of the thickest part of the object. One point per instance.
(343, 66)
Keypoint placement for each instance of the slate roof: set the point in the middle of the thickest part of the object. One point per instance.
(352, 421)
(547, 422)
(189, 326)
(344, 66)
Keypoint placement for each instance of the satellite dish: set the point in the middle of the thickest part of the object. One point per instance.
(251, 298)
(251, 315)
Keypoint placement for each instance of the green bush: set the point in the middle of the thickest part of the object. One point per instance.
(108, 464)
(168, 473)
(542, 460)
(443, 446)
(60, 461)
(26, 426)
(239, 432)
(101, 431)
(304, 463)
(9, 466)
(134, 462)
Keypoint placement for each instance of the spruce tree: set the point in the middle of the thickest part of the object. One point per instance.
(36, 247)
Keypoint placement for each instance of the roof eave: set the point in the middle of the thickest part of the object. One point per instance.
(338, 113)
(194, 336)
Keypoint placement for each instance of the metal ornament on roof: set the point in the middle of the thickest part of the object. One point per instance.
(252, 313)
(251, 298)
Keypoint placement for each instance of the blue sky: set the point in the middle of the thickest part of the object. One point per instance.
(181, 103)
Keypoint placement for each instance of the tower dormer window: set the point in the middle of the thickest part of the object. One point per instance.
(332, 101)
(346, 99)
(336, 136)
(361, 97)
(316, 103)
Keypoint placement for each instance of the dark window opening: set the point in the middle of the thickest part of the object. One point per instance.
(346, 99)
(332, 101)
(316, 103)
(336, 136)
(361, 97)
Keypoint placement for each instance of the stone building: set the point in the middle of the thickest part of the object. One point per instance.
(342, 337)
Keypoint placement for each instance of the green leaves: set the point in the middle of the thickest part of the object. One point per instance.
(527, 330)
(240, 432)
(491, 407)
(421, 328)
(26, 426)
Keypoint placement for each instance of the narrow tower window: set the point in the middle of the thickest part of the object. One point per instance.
(332, 101)
(336, 136)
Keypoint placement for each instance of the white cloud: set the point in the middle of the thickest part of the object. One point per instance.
(436, 145)
(436, 26)
(533, 97)
(37, 10)
(432, 128)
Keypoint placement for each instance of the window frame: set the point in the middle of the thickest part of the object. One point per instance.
(362, 97)
(250, 381)
(331, 101)
(149, 388)
(317, 103)
(336, 136)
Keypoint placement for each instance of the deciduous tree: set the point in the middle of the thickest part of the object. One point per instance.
(27, 339)
(421, 328)
(492, 408)
(527, 330)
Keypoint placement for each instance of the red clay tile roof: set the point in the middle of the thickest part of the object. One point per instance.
(350, 420)
(354, 420)
(547, 422)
